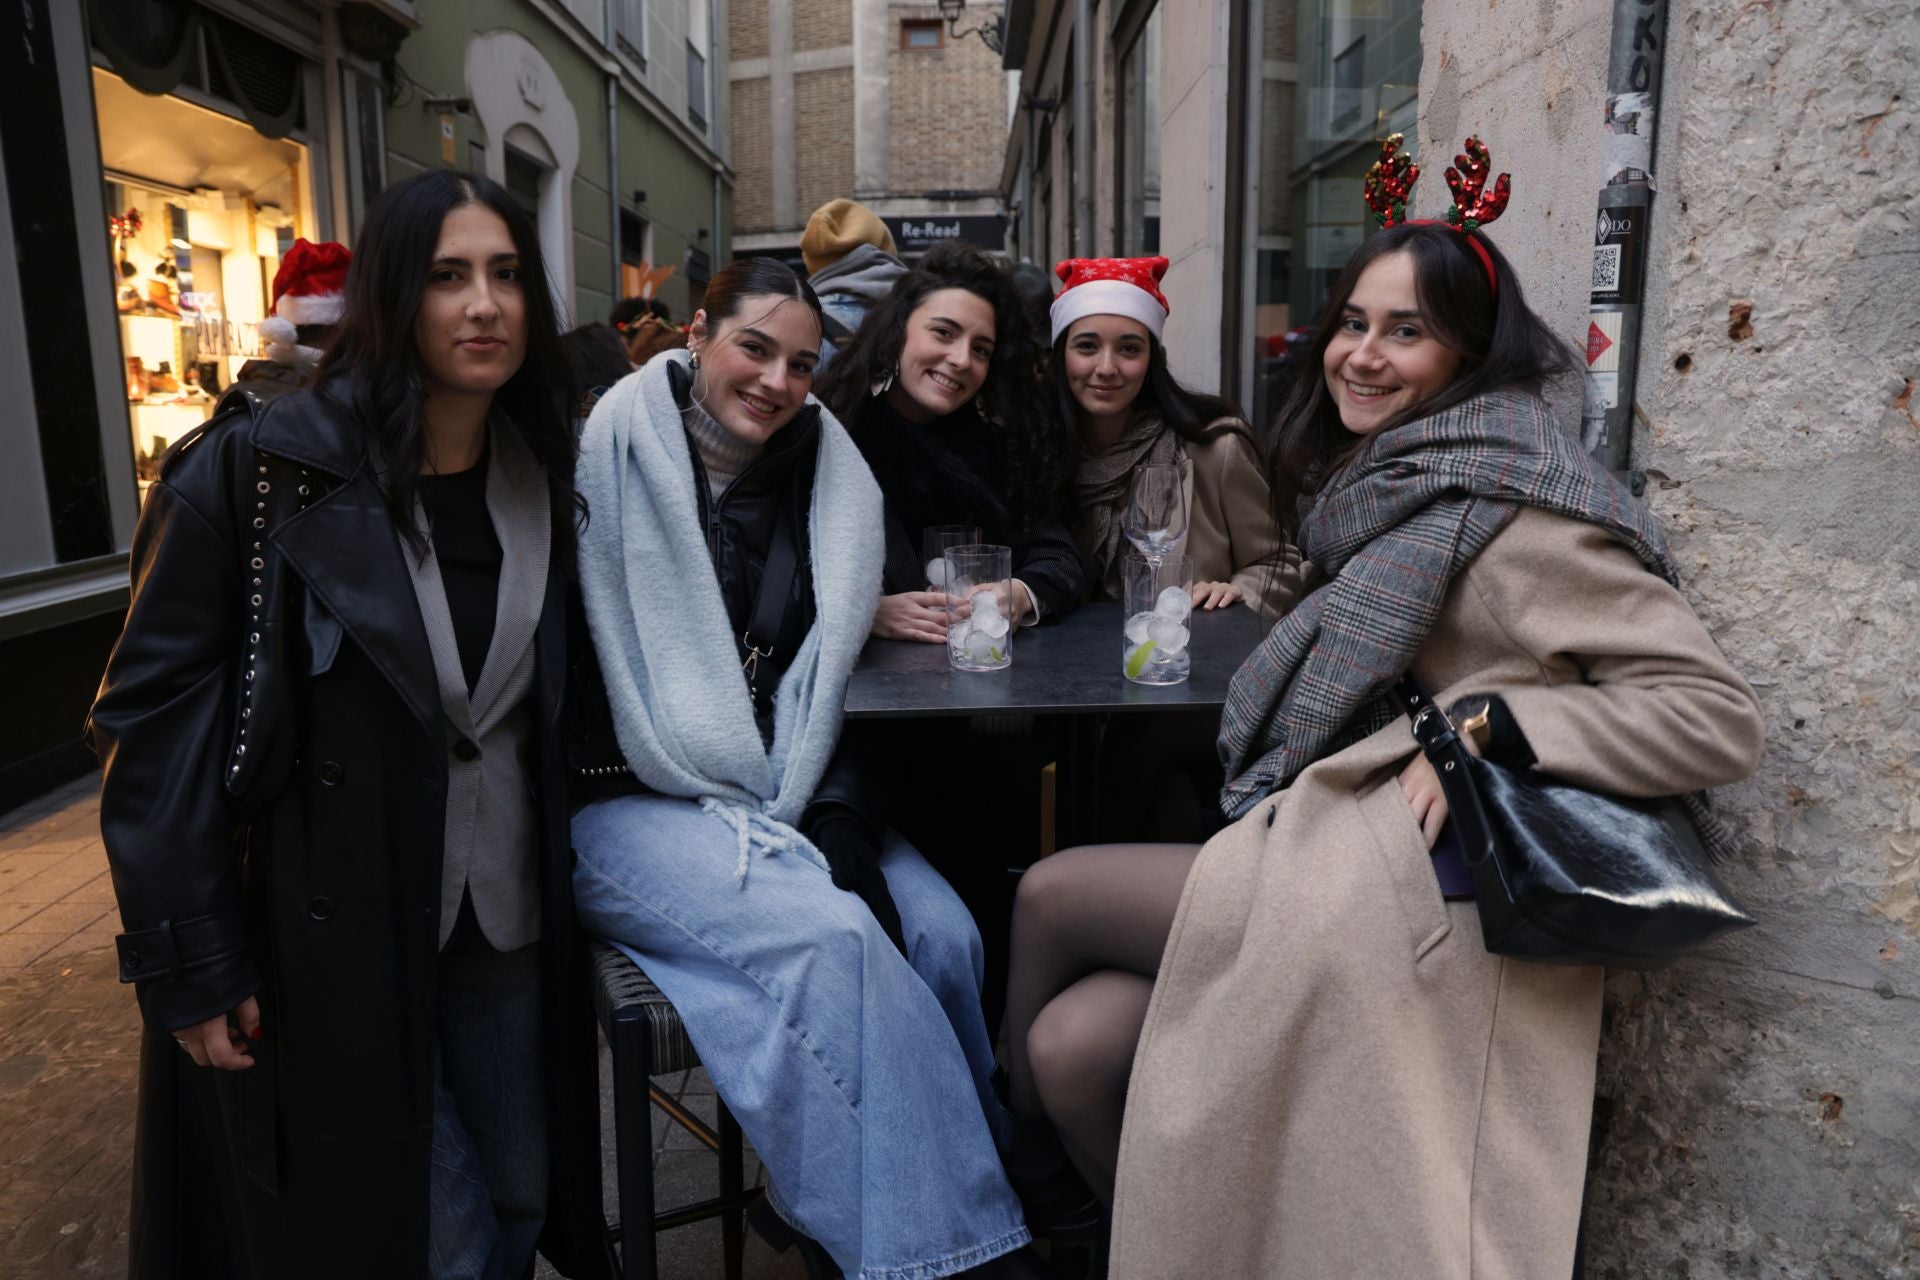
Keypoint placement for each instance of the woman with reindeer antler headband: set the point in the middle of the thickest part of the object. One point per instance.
(1330, 1073)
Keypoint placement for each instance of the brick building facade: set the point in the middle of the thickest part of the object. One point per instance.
(870, 99)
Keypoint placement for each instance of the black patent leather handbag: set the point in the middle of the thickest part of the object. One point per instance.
(1568, 875)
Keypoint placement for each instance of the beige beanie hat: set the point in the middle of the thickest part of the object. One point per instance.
(836, 229)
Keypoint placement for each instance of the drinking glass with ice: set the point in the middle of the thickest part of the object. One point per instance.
(979, 579)
(1159, 605)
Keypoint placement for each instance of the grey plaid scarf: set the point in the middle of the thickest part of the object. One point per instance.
(1390, 531)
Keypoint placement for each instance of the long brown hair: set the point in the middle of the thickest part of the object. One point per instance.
(1503, 345)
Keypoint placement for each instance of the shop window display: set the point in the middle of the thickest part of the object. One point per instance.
(201, 208)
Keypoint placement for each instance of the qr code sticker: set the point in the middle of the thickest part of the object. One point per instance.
(1606, 268)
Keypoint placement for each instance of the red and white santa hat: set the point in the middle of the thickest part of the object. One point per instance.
(1127, 287)
(311, 286)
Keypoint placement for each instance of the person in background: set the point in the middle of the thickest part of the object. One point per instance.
(729, 844)
(1314, 981)
(646, 326)
(1035, 285)
(332, 790)
(851, 264)
(309, 297)
(597, 358)
(1111, 379)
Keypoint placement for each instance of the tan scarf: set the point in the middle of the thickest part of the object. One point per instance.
(1100, 494)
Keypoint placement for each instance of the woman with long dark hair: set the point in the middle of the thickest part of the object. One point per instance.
(1112, 383)
(726, 840)
(332, 788)
(1331, 1075)
(940, 389)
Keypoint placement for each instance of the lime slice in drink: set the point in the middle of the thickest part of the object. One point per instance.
(1137, 660)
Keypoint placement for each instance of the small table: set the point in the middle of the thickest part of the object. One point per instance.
(1069, 669)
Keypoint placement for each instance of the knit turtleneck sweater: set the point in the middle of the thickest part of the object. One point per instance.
(723, 454)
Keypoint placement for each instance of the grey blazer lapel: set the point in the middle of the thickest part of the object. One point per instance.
(431, 592)
(517, 501)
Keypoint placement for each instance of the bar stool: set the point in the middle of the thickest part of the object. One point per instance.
(647, 1038)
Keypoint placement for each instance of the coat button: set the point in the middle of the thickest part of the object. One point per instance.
(320, 908)
(466, 750)
(130, 961)
(331, 774)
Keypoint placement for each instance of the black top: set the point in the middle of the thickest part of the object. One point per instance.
(469, 553)
(942, 472)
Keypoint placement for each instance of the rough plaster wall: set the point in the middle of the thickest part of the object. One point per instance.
(1760, 1105)
(1767, 1104)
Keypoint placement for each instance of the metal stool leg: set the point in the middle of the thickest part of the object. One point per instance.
(633, 1138)
(732, 1175)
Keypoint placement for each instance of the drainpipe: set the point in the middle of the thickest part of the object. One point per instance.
(1622, 233)
(1084, 36)
(613, 147)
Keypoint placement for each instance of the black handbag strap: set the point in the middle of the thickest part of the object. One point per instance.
(776, 590)
(1440, 742)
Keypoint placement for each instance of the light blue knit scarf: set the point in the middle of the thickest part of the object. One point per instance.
(681, 708)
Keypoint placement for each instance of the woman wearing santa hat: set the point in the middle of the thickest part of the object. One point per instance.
(1112, 382)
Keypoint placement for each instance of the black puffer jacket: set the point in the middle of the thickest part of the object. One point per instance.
(740, 526)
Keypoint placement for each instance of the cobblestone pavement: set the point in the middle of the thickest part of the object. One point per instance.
(69, 1046)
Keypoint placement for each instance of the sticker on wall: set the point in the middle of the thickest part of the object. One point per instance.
(1629, 138)
(1617, 243)
(1603, 341)
(447, 151)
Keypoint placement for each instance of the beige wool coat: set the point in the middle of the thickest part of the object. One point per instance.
(1231, 533)
(1336, 1079)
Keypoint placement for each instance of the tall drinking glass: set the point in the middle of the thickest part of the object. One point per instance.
(934, 541)
(1159, 604)
(980, 580)
(1156, 517)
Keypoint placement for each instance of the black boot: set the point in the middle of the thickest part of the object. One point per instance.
(1057, 1202)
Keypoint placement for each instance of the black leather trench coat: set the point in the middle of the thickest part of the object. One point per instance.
(320, 887)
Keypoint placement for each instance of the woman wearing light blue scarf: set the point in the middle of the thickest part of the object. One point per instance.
(829, 978)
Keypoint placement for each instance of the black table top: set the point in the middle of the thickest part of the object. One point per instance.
(1069, 666)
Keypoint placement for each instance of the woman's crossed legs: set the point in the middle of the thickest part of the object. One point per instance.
(1089, 927)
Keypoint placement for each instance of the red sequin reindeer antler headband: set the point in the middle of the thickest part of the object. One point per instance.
(1391, 180)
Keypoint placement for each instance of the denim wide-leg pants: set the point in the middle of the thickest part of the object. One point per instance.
(863, 1078)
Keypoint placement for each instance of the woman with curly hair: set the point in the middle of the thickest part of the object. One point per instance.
(941, 391)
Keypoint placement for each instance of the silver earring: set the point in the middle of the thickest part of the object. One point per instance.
(693, 359)
(880, 387)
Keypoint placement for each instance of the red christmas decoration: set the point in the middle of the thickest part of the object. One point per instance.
(1473, 205)
(1390, 181)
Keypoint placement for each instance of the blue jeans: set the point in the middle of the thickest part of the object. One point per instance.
(489, 1181)
(863, 1078)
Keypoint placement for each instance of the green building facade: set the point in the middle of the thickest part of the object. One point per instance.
(606, 118)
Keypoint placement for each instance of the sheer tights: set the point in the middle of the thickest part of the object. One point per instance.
(1089, 926)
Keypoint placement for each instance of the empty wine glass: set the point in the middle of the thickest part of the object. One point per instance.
(1156, 515)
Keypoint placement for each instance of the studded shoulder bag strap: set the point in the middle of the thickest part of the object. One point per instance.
(270, 490)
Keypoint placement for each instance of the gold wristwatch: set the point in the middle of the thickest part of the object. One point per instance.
(1478, 729)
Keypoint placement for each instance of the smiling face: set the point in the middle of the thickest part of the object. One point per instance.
(1384, 358)
(944, 355)
(756, 366)
(471, 329)
(1106, 363)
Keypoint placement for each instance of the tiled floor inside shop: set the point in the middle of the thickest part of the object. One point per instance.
(68, 1050)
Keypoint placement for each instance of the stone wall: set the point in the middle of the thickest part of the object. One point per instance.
(1760, 1105)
